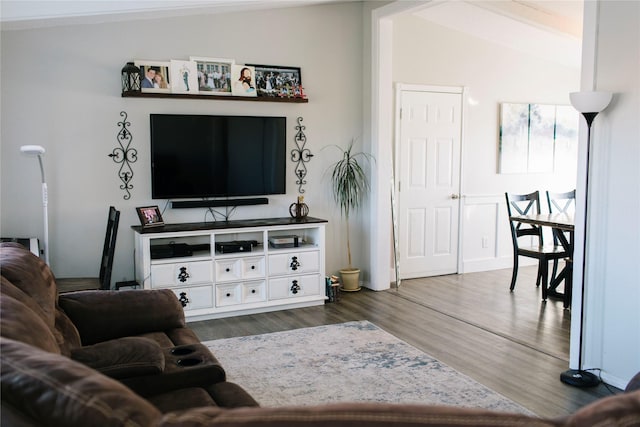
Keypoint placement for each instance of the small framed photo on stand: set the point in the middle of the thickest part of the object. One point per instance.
(150, 216)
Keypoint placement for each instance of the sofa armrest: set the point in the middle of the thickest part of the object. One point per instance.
(123, 357)
(105, 315)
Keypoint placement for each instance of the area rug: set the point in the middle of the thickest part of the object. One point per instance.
(347, 362)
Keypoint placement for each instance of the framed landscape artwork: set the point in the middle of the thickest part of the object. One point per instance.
(537, 138)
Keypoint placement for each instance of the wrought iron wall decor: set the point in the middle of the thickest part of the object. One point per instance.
(300, 155)
(125, 155)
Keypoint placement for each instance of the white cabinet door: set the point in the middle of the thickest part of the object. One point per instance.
(198, 297)
(294, 263)
(294, 286)
(179, 274)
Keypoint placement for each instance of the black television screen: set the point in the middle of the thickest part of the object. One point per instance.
(196, 156)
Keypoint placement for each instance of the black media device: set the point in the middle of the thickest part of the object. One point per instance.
(235, 246)
(201, 156)
(172, 250)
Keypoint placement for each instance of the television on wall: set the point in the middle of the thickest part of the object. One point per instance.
(203, 156)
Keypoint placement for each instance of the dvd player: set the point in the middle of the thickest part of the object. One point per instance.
(236, 246)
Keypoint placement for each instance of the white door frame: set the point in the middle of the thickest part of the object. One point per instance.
(399, 88)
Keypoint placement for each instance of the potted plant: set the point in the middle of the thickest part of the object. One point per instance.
(349, 184)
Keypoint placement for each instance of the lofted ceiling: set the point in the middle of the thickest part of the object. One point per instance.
(550, 29)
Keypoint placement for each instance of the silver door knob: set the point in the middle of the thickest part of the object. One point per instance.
(455, 196)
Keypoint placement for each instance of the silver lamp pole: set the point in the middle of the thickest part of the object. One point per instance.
(37, 150)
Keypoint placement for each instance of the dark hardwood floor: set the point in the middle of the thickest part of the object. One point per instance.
(511, 342)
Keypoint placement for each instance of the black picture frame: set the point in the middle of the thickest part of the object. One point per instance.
(150, 216)
(278, 81)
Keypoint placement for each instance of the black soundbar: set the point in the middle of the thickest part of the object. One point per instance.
(186, 204)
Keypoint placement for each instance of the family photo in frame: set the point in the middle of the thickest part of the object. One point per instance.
(277, 80)
(150, 216)
(154, 76)
(214, 75)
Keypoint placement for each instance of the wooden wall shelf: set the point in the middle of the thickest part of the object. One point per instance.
(213, 97)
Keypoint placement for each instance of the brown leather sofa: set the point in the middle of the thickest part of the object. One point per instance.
(126, 358)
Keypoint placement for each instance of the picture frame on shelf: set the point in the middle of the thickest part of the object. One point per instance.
(243, 80)
(150, 216)
(213, 75)
(154, 76)
(278, 81)
(184, 77)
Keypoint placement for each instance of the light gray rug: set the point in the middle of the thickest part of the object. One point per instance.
(348, 362)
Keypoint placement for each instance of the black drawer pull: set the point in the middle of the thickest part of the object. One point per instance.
(183, 275)
(294, 263)
(295, 288)
(183, 299)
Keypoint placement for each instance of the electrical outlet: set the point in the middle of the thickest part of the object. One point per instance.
(485, 242)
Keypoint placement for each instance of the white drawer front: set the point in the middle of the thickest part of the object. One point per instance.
(228, 270)
(184, 273)
(294, 286)
(294, 263)
(254, 291)
(252, 268)
(197, 296)
(228, 295)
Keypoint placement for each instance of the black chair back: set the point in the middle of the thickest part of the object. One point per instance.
(561, 202)
(523, 204)
(108, 251)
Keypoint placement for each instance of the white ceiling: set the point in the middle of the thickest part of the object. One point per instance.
(549, 29)
(544, 28)
(16, 14)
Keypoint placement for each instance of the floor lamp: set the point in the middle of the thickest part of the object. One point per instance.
(37, 150)
(589, 104)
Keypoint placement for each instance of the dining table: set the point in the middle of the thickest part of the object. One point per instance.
(562, 226)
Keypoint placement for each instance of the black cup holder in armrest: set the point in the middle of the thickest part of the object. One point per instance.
(190, 361)
(182, 351)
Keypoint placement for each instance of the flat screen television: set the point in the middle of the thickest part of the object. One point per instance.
(201, 156)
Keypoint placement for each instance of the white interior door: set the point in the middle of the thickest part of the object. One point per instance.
(428, 171)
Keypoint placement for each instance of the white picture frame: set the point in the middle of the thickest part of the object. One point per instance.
(160, 81)
(184, 77)
(213, 75)
(243, 80)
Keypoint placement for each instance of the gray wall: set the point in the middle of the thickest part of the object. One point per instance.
(61, 89)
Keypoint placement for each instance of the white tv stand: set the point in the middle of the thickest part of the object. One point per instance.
(211, 284)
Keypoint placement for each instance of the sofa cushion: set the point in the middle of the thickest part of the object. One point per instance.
(21, 324)
(31, 275)
(105, 315)
(619, 410)
(56, 391)
(123, 357)
(351, 415)
(65, 333)
(185, 398)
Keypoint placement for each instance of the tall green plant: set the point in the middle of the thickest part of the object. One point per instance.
(349, 184)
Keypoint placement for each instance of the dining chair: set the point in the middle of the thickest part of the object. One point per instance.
(103, 281)
(560, 203)
(529, 204)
